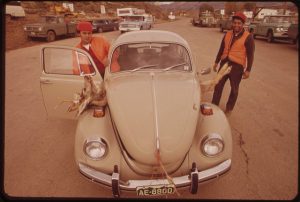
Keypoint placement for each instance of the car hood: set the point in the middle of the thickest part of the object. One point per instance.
(151, 109)
(35, 25)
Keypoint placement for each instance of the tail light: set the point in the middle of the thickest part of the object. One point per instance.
(206, 109)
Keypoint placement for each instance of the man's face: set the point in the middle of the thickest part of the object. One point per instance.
(86, 37)
(237, 25)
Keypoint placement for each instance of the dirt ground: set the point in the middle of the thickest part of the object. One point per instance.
(39, 152)
(15, 36)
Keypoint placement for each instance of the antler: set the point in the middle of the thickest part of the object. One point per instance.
(209, 85)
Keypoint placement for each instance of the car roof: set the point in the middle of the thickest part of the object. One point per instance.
(150, 36)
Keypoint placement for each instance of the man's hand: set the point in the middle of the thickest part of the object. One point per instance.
(246, 75)
(215, 67)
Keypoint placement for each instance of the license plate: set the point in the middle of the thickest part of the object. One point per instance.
(32, 33)
(155, 190)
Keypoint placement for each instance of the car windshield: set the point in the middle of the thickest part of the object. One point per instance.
(48, 19)
(150, 56)
(134, 18)
(280, 19)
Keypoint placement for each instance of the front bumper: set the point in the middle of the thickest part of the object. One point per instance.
(282, 35)
(36, 34)
(179, 182)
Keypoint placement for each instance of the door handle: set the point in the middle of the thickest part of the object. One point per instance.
(46, 81)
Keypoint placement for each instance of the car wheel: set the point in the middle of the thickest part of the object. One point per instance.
(270, 37)
(8, 17)
(221, 29)
(51, 36)
(194, 180)
(100, 30)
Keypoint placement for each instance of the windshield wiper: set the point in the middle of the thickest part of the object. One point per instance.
(173, 66)
(142, 67)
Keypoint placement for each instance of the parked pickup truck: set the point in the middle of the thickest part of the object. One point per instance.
(204, 21)
(224, 24)
(293, 33)
(100, 25)
(50, 27)
(136, 22)
(272, 27)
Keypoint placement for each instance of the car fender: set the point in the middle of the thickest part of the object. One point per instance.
(91, 127)
(215, 123)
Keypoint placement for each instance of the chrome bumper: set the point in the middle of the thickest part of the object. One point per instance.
(131, 185)
(280, 35)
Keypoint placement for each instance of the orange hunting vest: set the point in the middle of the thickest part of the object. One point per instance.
(237, 52)
(100, 47)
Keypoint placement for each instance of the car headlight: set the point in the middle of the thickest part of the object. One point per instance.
(279, 29)
(212, 145)
(40, 29)
(25, 28)
(95, 148)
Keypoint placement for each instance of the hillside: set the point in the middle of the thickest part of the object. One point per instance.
(191, 6)
(16, 38)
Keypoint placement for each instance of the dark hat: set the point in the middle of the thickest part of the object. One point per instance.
(240, 16)
(85, 26)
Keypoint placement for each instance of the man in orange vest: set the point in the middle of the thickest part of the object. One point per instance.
(237, 48)
(97, 47)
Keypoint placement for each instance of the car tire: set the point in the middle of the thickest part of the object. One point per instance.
(221, 29)
(270, 37)
(8, 17)
(51, 36)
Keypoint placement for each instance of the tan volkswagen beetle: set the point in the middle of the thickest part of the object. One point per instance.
(155, 135)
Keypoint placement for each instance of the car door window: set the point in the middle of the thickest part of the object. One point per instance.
(66, 62)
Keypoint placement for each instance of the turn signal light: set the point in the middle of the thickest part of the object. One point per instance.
(206, 109)
(99, 112)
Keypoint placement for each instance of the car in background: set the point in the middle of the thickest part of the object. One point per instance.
(13, 9)
(136, 22)
(50, 27)
(102, 25)
(293, 33)
(272, 27)
(155, 135)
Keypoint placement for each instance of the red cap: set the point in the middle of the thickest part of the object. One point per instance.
(85, 26)
(240, 15)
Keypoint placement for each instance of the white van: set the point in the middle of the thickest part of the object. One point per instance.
(14, 9)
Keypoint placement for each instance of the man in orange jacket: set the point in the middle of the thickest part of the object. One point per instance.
(97, 47)
(237, 48)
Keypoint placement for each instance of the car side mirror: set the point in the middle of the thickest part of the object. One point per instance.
(205, 71)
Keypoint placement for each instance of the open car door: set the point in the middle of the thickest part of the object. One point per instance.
(63, 71)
